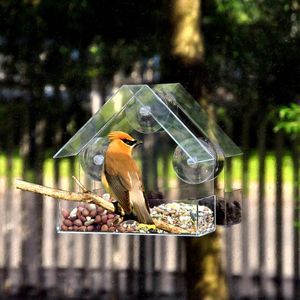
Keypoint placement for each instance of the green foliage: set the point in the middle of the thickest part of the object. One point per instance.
(297, 224)
(251, 60)
(244, 12)
(289, 120)
(64, 45)
(252, 52)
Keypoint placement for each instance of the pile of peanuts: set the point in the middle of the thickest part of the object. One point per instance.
(89, 217)
(93, 218)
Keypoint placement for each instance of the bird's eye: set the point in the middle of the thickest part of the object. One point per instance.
(129, 142)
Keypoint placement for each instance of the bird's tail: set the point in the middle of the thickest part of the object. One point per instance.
(140, 207)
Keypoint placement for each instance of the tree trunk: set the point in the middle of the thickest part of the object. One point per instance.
(182, 60)
(205, 277)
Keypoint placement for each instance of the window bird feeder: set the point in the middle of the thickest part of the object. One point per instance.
(184, 160)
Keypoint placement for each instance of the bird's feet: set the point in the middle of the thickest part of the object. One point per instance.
(151, 228)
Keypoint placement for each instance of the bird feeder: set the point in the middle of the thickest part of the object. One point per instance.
(185, 160)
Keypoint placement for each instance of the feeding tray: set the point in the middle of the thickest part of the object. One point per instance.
(183, 156)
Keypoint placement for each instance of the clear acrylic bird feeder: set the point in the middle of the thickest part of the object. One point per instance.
(185, 159)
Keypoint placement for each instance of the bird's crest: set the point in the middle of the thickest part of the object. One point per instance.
(114, 135)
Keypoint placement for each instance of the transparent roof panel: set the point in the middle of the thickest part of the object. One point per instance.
(165, 107)
(175, 92)
(169, 122)
(99, 120)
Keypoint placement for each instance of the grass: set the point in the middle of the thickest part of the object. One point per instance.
(64, 166)
(270, 168)
(270, 165)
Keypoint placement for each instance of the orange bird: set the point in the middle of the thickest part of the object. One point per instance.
(122, 177)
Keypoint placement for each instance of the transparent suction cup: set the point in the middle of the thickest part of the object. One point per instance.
(140, 117)
(91, 158)
(192, 171)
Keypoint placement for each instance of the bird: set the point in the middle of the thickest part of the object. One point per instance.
(122, 177)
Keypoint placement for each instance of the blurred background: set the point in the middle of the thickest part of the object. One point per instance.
(60, 60)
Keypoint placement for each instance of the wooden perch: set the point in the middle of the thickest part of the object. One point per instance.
(88, 197)
(66, 195)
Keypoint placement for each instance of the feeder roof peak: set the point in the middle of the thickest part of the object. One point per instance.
(146, 109)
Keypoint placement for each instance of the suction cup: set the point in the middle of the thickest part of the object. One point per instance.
(140, 116)
(192, 170)
(91, 158)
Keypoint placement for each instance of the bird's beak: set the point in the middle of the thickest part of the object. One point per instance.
(138, 143)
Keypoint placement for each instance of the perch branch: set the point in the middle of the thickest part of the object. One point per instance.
(169, 228)
(88, 197)
(66, 195)
(84, 189)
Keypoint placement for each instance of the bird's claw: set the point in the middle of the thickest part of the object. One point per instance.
(147, 226)
(116, 206)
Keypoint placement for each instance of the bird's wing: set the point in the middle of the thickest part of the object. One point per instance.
(117, 186)
(138, 199)
(142, 188)
(119, 181)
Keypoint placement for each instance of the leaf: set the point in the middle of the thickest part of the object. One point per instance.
(289, 120)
